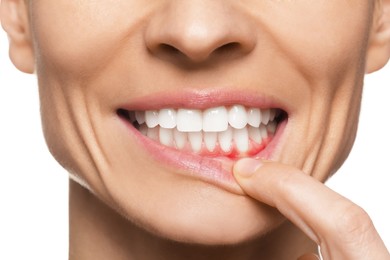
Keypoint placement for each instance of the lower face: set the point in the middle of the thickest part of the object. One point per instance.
(136, 114)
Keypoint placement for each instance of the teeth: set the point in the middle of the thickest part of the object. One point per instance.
(195, 140)
(215, 119)
(140, 117)
(241, 139)
(238, 117)
(263, 131)
(254, 134)
(265, 116)
(272, 127)
(153, 133)
(144, 129)
(132, 117)
(166, 136)
(277, 112)
(254, 117)
(167, 118)
(272, 114)
(218, 128)
(151, 118)
(225, 139)
(189, 120)
(210, 140)
(180, 138)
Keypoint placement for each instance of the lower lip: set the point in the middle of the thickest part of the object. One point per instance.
(217, 171)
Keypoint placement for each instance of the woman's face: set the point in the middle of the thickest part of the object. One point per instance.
(203, 66)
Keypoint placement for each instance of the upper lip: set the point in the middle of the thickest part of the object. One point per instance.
(202, 99)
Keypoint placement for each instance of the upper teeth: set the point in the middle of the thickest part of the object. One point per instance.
(226, 127)
(214, 119)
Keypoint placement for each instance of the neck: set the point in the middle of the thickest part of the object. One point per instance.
(98, 232)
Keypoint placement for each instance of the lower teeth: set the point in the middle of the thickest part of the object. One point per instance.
(247, 140)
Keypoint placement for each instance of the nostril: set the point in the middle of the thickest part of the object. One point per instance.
(169, 50)
(228, 47)
(228, 50)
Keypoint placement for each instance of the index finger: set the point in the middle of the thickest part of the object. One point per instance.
(335, 223)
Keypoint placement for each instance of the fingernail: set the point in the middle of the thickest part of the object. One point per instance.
(246, 167)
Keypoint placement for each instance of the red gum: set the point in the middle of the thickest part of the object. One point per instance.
(254, 149)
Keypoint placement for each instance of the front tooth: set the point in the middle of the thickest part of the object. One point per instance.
(215, 119)
(189, 120)
(140, 117)
(180, 138)
(238, 117)
(167, 118)
(263, 131)
(166, 136)
(153, 133)
(265, 116)
(254, 117)
(241, 139)
(254, 134)
(151, 118)
(225, 139)
(195, 140)
(210, 140)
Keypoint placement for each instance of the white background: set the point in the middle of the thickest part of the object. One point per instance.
(33, 188)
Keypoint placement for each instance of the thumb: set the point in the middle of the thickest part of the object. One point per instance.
(341, 228)
(252, 176)
(246, 167)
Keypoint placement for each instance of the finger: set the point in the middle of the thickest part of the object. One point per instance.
(335, 223)
(298, 197)
(309, 256)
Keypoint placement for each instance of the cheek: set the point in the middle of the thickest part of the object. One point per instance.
(326, 46)
(80, 37)
(324, 42)
(60, 132)
(73, 41)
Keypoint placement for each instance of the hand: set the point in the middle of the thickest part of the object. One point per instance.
(341, 228)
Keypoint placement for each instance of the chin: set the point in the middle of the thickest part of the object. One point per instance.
(195, 212)
(213, 232)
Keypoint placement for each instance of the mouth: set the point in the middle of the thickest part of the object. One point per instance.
(225, 131)
(203, 139)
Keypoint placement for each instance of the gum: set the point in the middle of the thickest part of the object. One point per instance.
(234, 153)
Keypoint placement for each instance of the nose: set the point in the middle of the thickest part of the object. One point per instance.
(198, 31)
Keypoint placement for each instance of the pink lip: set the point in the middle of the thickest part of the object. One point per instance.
(213, 170)
(202, 99)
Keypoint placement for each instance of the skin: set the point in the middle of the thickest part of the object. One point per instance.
(92, 56)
